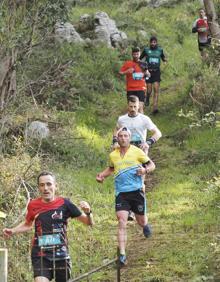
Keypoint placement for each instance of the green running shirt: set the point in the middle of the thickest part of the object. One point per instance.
(152, 57)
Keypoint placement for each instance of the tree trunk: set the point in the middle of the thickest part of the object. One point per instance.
(7, 79)
(212, 19)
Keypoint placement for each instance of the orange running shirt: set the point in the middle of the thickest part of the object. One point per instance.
(132, 84)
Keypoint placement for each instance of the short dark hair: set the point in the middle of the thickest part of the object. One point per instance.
(44, 173)
(153, 38)
(133, 99)
(136, 49)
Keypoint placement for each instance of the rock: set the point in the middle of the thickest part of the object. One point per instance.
(159, 3)
(107, 31)
(67, 32)
(37, 130)
(85, 23)
(88, 41)
(154, 3)
(103, 35)
(142, 33)
(97, 28)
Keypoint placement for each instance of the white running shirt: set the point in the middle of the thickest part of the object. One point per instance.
(138, 126)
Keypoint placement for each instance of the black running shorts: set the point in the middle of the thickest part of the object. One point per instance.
(155, 76)
(140, 94)
(202, 46)
(134, 201)
(58, 270)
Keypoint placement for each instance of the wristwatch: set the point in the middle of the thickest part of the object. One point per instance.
(88, 213)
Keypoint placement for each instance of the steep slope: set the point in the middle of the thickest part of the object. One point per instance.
(77, 90)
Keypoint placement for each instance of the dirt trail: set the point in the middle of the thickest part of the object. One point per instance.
(139, 260)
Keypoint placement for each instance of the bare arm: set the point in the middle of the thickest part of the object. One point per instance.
(116, 130)
(130, 70)
(146, 168)
(153, 139)
(100, 177)
(21, 228)
(149, 167)
(156, 134)
(164, 59)
(86, 217)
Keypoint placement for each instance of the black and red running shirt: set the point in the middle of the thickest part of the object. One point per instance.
(51, 219)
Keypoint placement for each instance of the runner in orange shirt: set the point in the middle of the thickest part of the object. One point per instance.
(135, 72)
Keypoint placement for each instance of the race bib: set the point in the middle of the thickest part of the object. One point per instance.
(135, 138)
(153, 60)
(202, 29)
(49, 240)
(137, 75)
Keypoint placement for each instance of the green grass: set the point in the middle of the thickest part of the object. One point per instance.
(181, 209)
(183, 206)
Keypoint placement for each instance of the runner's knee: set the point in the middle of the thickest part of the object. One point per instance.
(122, 222)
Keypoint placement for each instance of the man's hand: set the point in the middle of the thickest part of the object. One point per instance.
(141, 171)
(147, 73)
(202, 29)
(130, 70)
(8, 232)
(144, 146)
(85, 206)
(100, 178)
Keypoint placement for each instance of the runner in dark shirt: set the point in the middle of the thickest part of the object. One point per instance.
(50, 226)
(153, 56)
(50, 256)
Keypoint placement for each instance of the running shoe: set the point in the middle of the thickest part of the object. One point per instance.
(156, 111)
(122, 260)
(147, 231)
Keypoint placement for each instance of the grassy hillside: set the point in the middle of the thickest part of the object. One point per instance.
(81, 99)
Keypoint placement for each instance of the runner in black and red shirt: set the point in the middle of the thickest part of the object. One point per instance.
(50, 256)
(202, 28)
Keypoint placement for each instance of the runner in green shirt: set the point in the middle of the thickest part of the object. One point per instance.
(153, 56)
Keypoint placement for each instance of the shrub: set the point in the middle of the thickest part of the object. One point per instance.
(205, 90)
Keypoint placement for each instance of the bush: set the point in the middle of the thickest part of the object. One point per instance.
(205, 90)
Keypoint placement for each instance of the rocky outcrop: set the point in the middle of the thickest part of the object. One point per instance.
(91, 28)
(153, 3)
(107, 31)
(158, 3)
(67, 32)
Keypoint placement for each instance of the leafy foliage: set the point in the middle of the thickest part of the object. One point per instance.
(24, 23)
(77, 90)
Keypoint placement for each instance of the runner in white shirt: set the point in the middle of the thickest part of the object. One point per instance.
(138, 124)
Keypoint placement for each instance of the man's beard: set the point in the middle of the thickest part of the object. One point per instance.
(123, 144)
(132, 114)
